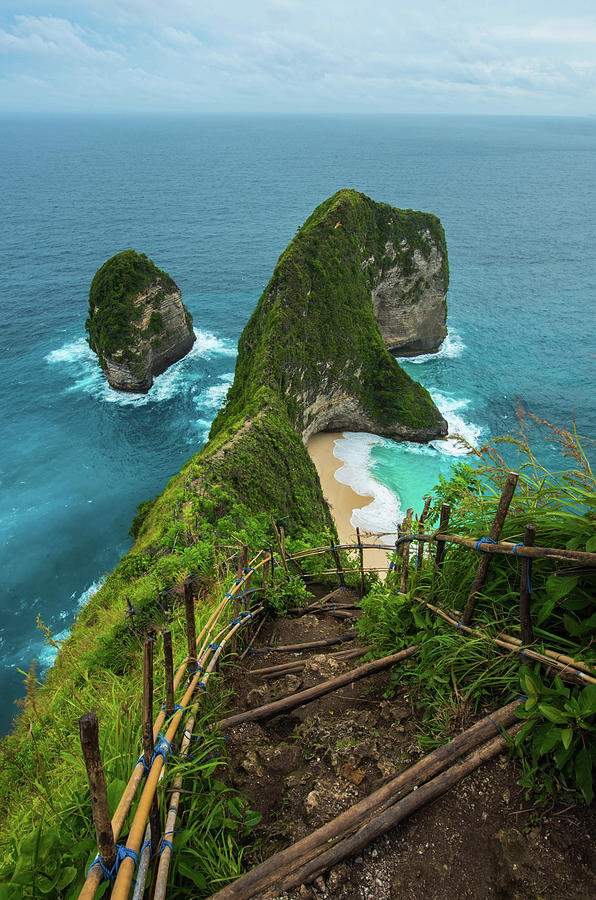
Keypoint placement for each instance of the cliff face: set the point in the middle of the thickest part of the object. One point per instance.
(314, 344)
(137, 324)
(409, 298)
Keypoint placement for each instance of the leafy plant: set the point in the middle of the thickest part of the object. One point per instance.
(559, 738)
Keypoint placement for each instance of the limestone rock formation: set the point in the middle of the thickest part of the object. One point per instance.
(137, 325)
(409, 298)
(314, 341)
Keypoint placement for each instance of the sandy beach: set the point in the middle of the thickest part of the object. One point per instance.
(342, 500)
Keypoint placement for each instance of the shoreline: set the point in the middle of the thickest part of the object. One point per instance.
(341, 498)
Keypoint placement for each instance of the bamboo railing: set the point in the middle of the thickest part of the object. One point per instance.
(205, 649)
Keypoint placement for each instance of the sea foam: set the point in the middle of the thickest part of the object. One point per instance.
(451, 348)
(87, 376)
(383, 512)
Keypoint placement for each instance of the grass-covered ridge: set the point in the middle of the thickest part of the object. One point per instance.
(314, 327)
(111, 308)
(314, 332)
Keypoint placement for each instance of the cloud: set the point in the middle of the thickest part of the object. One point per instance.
(331, 55)
(47, 36)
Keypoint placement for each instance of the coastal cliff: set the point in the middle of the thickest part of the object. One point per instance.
(137, 325)
(409, 297)
(314, 343)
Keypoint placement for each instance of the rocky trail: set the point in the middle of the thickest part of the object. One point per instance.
(482, 838)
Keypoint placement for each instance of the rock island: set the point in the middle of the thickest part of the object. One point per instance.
(137, 325)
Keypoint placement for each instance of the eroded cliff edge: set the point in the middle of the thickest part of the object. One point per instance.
(314, 342)
(137, 325)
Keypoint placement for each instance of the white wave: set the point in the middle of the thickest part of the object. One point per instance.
(213, 396)
(451, 348)
(208, 345)
(381, 515)
(88, 376)
(74, 352)
(451, 408)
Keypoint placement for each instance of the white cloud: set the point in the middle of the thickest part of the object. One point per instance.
(331, 55)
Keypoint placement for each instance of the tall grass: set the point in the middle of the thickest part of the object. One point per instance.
(453, 675)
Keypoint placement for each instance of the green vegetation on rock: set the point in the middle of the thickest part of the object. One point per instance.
(314, 331)
(111, 308)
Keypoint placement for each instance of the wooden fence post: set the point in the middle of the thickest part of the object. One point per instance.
(527, 632)
(282, 553)
(169, 670)
(89, 731)
(189, 608)
(443, 522)
(495, 533)
(405, 551)
(361, 554)
(340, 572)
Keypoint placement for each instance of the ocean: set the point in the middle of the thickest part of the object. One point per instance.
(214, 201)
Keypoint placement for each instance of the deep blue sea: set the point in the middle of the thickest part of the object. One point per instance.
(214, 201)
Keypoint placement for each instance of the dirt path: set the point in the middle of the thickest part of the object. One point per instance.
(482, 839)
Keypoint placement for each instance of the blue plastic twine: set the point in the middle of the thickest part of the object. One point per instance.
(528, 569)
(484, 540)
(121, 853)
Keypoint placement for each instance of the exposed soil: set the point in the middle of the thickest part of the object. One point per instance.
(481, 839)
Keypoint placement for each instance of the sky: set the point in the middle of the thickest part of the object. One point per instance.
(527, 57)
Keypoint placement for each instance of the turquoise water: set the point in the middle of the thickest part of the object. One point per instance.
(214, 201)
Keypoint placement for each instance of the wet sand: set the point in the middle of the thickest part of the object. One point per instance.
(341, 498)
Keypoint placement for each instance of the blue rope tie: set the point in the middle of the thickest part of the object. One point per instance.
(146, 844)
(121, 853)
(246, 613)
(215, 646)
(528, 569)
(484, 540)
(202, 684)
(164, 843)
(460, 625)
(521, 697)
(162, 748)
(499, 728)
(176, 708)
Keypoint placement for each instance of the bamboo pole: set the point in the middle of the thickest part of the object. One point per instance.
(552, 654)
(513, 646)
(148, 745)
(170, 826)
(527, 633)
(269, 710)
(127, 866)
(361, 556)
(495, 533)
(502, 548)
(278, 866)
(250, 643)
(89, 732)
(144, 861)
(94, 875)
